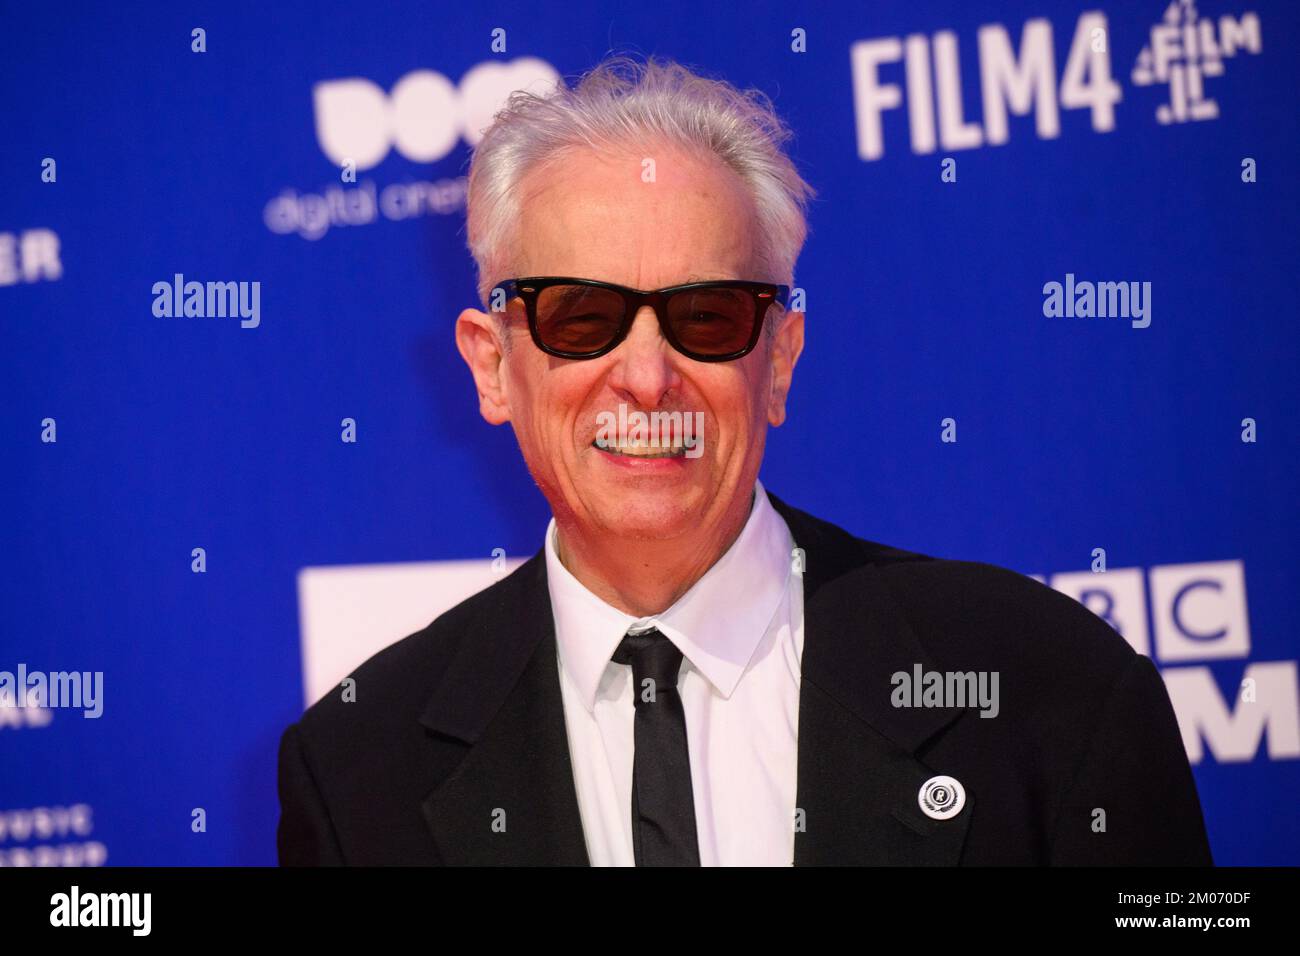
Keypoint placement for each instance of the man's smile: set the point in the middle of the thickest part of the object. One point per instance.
(640, 448)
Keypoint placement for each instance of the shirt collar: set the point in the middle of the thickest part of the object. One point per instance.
(717, 624)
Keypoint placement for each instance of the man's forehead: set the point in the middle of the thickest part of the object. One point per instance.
(599, 217)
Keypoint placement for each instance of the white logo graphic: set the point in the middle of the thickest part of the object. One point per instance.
(424, 114)
(1012, 83)
(30, 256)
(1184, 49)
(922, 75)
(349, 612)
(50, 836)
(24, 708)
(1198, 612)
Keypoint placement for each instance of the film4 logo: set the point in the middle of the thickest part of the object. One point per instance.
(1186, 48)
(1197, 612)
(922, 75)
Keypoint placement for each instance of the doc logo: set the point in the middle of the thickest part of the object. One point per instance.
(423, 116)
(1184, 49)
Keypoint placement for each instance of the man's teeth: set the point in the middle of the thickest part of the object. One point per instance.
(641, 449)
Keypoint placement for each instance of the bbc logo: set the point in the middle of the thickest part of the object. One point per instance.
(1197, 612)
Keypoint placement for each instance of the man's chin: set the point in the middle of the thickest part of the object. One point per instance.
(647, 519)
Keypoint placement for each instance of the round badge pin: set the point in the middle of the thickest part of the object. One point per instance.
(941, 798)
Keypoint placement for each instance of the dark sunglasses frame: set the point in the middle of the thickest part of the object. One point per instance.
(529, 289)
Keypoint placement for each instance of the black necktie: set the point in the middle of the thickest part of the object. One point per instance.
(663, 805)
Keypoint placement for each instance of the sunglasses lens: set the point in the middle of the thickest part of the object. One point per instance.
(712, 321)
(578, 319)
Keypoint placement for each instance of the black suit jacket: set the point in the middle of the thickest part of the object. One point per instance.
(463, 722)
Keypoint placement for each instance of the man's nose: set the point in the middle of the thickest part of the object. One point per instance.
(643, 362)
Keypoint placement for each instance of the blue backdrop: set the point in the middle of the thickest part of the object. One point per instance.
(925, 301)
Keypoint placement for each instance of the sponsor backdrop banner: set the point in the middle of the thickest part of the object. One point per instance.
(1051, 292)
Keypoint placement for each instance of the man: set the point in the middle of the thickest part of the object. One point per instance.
(691, 671)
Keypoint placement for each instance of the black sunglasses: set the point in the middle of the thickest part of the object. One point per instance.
(716, 321)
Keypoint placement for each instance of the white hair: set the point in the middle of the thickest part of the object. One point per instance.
(625, 105)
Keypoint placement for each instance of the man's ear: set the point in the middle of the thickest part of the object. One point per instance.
(787, 344)
(478, 337)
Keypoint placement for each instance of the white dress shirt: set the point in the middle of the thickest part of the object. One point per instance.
(740, 629)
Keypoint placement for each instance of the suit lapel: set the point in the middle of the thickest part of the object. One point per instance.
(858, 776)
(511, 798)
